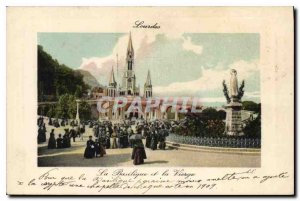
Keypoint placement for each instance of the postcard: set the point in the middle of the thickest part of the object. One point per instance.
(150, 101)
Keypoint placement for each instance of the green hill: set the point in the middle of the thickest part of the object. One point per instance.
(89, 79)
(55, 79)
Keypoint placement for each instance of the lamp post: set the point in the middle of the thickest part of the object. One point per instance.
(77, 113)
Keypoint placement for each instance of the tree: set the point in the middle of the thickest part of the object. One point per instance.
(55, 79)
(212, 114)
(85, 111)
(209, 123)
(253, 128)
(66, 107)
(251, 106)
(51, 112)
(78, 92)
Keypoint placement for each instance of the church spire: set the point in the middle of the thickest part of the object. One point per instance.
(112, 85)
(112, 81)
(130, 54)
(130, 46)
(148, 80)
(148, 86)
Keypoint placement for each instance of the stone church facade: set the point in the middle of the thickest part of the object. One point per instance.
(129, 91)
(128, 87)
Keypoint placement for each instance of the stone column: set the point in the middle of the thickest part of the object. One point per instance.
(100, 117)
(117, 114)
(111, 114)
(146, 115)
(176, 115)
(121, 113)
(77, 113)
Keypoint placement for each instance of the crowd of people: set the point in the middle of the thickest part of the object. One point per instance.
(62, 141)
(109, 135)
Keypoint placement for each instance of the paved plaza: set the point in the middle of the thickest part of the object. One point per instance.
(73, 156)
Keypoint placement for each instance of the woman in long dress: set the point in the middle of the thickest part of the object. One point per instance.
(52, 141)
(154, 140)
(41, 135)
(148, 137)
(138, 153)
(90, 148)
(59, 142)
(99, 149)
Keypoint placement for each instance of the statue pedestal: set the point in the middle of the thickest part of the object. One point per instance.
(234, 119)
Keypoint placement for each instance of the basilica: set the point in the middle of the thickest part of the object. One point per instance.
(128, 87)
(121, 97)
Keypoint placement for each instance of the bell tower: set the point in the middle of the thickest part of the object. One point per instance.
(130, 54)
(112, 85)
(148, 86)
(129, 80)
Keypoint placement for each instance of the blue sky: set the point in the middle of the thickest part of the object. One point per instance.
(186, 64)
(70, 48)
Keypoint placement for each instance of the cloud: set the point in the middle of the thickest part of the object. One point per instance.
(101, 66)
(189, 46)
(143, 45)
(252, 94)
(248, 96)
(209, 80)
(213, 100)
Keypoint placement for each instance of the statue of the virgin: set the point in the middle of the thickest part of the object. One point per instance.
(233, 83)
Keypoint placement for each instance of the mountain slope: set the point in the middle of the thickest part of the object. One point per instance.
(88, 78)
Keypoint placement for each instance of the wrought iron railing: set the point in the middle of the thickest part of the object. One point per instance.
(234, 142)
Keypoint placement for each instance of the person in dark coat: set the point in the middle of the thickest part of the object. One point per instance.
(89, 151)
(41, 134)
(148, 138)
(99, 149)
(52, 141)
(138, 153)
(40, 121)
(107, 138)
(56, 124)
(154, 140)
(162, 141)
(120, 138)
(73, 134)
(62, 122)
(162, 133)
(82, 129)
(65, 141)
(125, 139)
(50, 121)
(68, 140)
(44, 131)
(59, 142)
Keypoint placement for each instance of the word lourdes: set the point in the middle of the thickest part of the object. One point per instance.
(141, 24)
